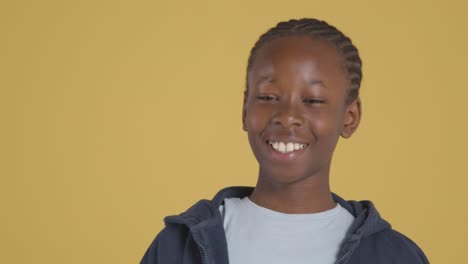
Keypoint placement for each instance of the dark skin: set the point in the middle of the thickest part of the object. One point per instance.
(297, 91)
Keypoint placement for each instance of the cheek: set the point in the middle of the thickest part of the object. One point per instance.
(256, 119)
(327, 125)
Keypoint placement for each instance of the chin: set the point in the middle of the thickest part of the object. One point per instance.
(283, 176)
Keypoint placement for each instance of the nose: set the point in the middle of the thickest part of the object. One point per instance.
(288, 114)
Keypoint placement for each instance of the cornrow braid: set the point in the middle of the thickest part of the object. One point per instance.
(319, 30)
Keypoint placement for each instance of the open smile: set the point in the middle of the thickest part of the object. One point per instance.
(286, 147)
(289, 149)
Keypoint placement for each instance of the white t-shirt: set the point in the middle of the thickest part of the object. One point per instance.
(259, 235)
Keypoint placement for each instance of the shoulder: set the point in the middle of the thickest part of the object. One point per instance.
(170, 242)
(390, 246)
(176, 241)
(402, 243)
(373, 240)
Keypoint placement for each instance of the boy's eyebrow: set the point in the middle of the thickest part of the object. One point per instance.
(315, 82)
(269, 78)
(264, 78)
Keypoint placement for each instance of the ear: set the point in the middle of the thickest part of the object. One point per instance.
(352, 118)
(244, 111)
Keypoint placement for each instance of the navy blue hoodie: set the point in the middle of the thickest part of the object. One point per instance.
(197, 236)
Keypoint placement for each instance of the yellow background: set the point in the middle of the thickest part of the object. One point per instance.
(115, 114)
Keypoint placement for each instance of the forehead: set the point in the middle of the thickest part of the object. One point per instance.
(299, 56)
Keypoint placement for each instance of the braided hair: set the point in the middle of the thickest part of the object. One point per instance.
(316, 29)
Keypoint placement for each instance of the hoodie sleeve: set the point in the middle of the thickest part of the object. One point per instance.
(412, 249)
(169, 246)
(417, 249)
(151, 254)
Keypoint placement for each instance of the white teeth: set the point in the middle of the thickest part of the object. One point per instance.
(282, 147)
(276, 145)
(286, 147)
(297, 146)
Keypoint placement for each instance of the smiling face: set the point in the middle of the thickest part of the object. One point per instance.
(295, 110)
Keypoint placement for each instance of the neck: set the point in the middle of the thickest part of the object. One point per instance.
(311, 195)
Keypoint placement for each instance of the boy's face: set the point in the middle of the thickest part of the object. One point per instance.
(295, 111)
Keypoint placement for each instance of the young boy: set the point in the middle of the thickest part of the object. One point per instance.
(302, 94)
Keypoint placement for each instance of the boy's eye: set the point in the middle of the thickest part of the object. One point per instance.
(267, 98)
(313, 101)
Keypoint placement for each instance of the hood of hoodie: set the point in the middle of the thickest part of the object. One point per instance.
(206, 212)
